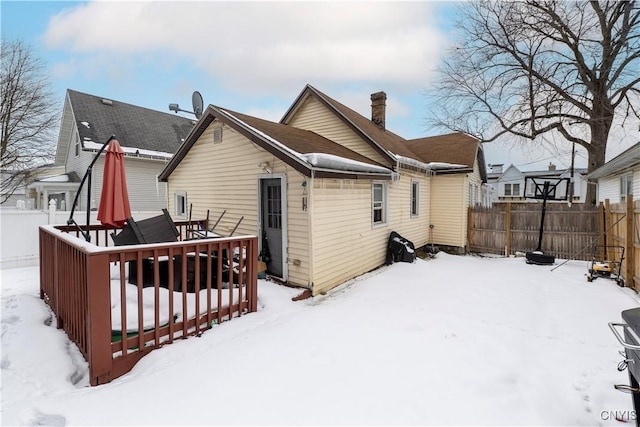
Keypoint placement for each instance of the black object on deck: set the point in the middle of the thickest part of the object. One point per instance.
(158, 229)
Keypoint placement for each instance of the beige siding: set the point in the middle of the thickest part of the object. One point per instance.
(449, 209)
(314, 116)
(345, 244)
(224, 176)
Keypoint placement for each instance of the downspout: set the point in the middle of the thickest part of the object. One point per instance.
(310, 230)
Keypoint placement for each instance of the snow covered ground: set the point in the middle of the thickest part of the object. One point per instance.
(450, 341)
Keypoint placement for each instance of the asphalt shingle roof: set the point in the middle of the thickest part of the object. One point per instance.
(456, 148)
(133, 126)
(300, 140)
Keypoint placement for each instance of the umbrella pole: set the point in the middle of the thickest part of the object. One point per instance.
(87, 175)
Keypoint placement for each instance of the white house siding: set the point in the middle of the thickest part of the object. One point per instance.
(345, 244)
(67, 130)
(449, 209)
(224, 176)
(475, 180)
(314, 116)
(145, 193)
(79, 165)
(609, 187)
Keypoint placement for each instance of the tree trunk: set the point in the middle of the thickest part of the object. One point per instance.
(600, 127)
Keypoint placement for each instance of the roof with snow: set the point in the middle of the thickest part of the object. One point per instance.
(452, 153)
(98, 118)
(456, 148)
(304, 150)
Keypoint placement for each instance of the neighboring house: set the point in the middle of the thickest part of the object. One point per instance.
(509, 185)
(619, 177)
(19, 192)
(324, 188)
(148, 137)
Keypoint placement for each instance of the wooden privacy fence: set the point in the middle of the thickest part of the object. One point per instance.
(119, 303)
(569, 232)
(578, 232)
(622, 222)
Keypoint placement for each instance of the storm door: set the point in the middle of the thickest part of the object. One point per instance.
(272, 221)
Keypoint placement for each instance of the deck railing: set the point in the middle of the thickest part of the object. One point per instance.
(118, 303)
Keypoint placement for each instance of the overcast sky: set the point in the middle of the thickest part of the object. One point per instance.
(252, 57)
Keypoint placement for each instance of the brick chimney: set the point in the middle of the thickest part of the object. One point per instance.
(378, 108)
(552, 167)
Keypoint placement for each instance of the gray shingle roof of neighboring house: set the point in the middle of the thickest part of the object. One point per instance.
(98, 118)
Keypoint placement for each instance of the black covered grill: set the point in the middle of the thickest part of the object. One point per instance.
(630, 339)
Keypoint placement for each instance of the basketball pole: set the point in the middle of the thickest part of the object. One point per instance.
(544, 209)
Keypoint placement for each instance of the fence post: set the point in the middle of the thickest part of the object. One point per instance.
(508, 230)
(469, 220)
(602, 225)
(629, 242)
(608, 221)
(52, 211)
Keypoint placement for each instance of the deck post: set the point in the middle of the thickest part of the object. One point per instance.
(98, 318)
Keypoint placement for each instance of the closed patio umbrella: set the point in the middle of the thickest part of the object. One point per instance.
(114, 206)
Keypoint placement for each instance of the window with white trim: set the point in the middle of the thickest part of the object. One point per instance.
(626, 186)
(181, 204)
(379, 203)
(415, 198)
(512, 189)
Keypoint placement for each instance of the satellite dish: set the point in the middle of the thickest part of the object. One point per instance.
(198, 103)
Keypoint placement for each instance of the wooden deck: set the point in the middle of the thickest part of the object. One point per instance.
(118, 303)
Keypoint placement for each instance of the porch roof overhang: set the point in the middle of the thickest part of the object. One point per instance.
(49, 185)
(65, 182)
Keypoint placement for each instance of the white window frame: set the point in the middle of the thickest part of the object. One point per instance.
(415, 198)
(514, 189)
(381, 205)
(626, 186)
(180, 204)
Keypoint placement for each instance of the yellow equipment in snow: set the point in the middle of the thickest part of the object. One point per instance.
(608, 268)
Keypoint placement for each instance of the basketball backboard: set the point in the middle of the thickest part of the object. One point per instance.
(555, 188)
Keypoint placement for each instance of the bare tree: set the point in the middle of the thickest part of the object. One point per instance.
(28, 116)
(529, 68)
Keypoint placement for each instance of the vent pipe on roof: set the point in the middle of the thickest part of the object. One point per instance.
(378, 109)
(107, 101)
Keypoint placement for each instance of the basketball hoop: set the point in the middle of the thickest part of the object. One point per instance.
(544, 188)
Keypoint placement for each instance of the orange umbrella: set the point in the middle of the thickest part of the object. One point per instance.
(114, 206)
